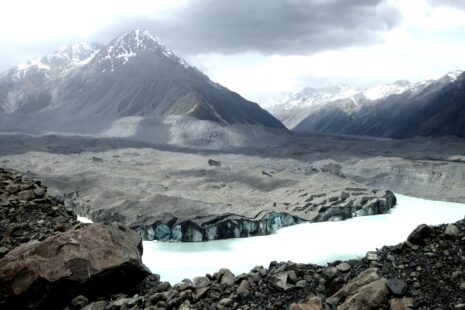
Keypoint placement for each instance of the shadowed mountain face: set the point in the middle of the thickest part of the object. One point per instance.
(84, 88)
(435, 109)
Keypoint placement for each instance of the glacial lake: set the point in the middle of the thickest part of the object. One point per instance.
(317, 243)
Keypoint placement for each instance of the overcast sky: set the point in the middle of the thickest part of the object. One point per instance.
(259, 47)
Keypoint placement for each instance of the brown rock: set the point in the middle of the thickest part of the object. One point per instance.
(370, 296)
(313, 303)
(343, 267)
(26, 195)
(401, 304)
(12, 188)
(59, 227)
(365, 277)
(95, 260)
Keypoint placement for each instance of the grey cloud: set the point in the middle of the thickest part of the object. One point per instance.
(298, 27)
(268, 26)
(450, 3)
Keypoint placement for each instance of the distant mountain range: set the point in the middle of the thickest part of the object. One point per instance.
(88, 88)
(398, 110)
(137, 87)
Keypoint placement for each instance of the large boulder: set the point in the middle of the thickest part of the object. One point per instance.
(370, 296)
(367, 276)
(91, 260)
(419, 235)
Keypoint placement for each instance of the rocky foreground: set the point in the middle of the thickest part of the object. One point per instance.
(59, 263)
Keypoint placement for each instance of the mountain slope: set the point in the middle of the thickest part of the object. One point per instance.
(293, 108)
(435, 108)
(135, 75)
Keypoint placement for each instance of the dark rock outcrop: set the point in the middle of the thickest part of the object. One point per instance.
(90, 260)
(215, 163)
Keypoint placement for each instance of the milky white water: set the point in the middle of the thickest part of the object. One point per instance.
(316, 243)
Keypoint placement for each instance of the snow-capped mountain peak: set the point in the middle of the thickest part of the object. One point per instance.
(59, 62)
(453, 75)
(385, 90)
(310, 96)
(134, 43)
(73, 53)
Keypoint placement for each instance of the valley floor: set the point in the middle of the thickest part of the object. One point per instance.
(112, 179)
(142, 184)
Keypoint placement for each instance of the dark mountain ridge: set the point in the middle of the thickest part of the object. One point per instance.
(437, 109)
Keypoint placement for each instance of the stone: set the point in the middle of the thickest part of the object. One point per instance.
(162, 287)
(397, 287)
(226, 302)
(12, 188)
(462, 286)
(201, 282)
(3, 250)
(332, 301)
(279, 281)
(215, 163)
(370, 296)
(244, 288)
(227, 277)
(367, 276)
(343, 267)
(313, 303)
(187, 294)
(93, 261)
(301, 283)
(59, 227)
(372, 256)
(451, 230)
(185, 284)
(172, 294)
(26, 195)
(292, 276)
(135, 300)
(330, 272)
(120, 302)
(39, 192)
(79, 302)
(401, 304)
(157, 297)
(98, 305)
(419, 234)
